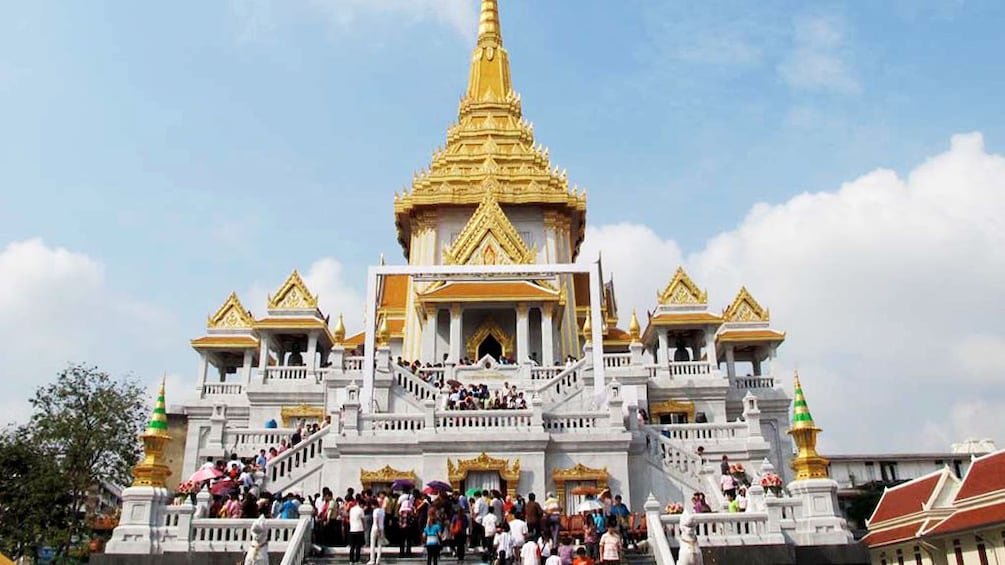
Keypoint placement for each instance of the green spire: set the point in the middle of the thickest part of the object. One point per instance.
(801, 417)
(158, 420)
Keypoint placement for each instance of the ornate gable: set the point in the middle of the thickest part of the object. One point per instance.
(745, 309)
(232, 315)
(681, 290)
(293, 295)
(489, 238)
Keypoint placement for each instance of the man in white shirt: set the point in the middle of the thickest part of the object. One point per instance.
(504, 545)
(489, 525)
(529, 553)
(356, 528)
(481, 508)
(518, 529)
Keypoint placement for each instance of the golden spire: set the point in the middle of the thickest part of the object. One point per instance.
(339, 332)
(489, 80)
(383, 333)
(634, 328)
(807, 463)
(151, 471)
(587, 328)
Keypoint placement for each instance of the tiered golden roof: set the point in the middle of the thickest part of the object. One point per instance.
(486, 234)
(152, 471)
(745, 309)
(681, 290)
(231, 315)
(490, 147)
(293, 295)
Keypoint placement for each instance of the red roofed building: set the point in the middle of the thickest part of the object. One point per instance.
(940, 520)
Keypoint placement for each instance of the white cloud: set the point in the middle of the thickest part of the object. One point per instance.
(817, 60)
(56, 307)
(889, 287)
(258, 18)
(326, 279)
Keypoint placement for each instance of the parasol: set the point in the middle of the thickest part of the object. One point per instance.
(205, 474)
(454, 382)
(584, 489)
(402, 484)
(473, 492)
(589, 505)
(439, 486)
(429, 491)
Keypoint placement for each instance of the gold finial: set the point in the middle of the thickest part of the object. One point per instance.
(151, 471)
(383, 333)
(339, 331)
(587, 328)
(489, 79)
(808, 464)
(634, 328)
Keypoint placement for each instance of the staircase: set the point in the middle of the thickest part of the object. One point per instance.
(682, 465)
(413, 389)
(294, 465)
(566, 384)
(390, 557)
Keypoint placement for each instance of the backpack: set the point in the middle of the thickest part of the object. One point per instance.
(456, 526)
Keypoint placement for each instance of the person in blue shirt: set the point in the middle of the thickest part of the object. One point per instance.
(290, 510)
(431, 539)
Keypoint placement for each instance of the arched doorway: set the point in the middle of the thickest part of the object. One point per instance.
(490, 346)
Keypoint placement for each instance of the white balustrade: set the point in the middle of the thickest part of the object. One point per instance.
(431, 374)
(723, 528)
(222, 389)
(295, 373)
(234, 534)
(615, 360)
(414, 385)
(706, 432)
(565, 383)
(371, 424)
(544, 373)
(353, 364)
(297, 462)
(687, 368)
(247, 441)
(680, 461)
(488, 420)
(580, 422)
(754, 382)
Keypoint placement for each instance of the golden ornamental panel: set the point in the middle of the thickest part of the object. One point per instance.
(489, 327)
(386, 474)
(293, 294)
(681, 290)
(291, 414)
(231, 315)
(578, 473)
(656, 409)
(456, 473)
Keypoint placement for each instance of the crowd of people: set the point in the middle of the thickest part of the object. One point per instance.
(478, 397)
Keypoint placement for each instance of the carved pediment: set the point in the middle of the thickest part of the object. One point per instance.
(745, 309)
(231, 315)
(681, 290)
(293, 295)
(489, 238)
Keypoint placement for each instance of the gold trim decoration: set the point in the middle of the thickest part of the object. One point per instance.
(578, 472)
(293, 295)
(487, 234)
(290, 414)
(745, 309)
(656, 409)
(383, 333)
(386, 474)
(681, 290)
(808, 464)
(339, 333)
(231, 315)
(153, 471)
(456, 473)
(492, 328)
(634, 328)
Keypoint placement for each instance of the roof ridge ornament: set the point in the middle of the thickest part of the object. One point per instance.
(745, 309)
(681, 290)
(807, 464)
(293, 295)
(231, 315)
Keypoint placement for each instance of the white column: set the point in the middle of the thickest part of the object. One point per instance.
(710, 348)
(369, 343)
(663, 351)
(263, 352)
(312, 351)
(429, 336)
(455, 333)
(522, 333)
(597, 339)
(246, 368)
(547, 337)
(756, 360)
(730, 361)
(203, 369)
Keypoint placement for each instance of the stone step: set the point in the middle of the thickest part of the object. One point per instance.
(390, 557)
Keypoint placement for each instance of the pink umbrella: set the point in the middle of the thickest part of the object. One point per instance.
(223, 486)
(205, 474)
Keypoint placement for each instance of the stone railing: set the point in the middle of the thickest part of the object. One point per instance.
(418, 388)
(705, 433)
(183, 533)
(725, 528)
(753, 382)
(545, 373)
(680, 461)
(563, 384)
(222, 389)
(689, 368)
(579, 422)
(353, 364)
(484, 420)
(297, 462)
(295, 373)
(615, 360)
(372, 424)
(298, 548)
(248, 441)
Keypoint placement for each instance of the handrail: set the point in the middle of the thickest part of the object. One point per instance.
(680, 461)
(571, 377)
(704, 431)
(297, 457)
(413, 384)
(299, 545)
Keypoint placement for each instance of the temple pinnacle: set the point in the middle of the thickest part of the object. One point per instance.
(489, 80)
(807, 464)
(489, 31)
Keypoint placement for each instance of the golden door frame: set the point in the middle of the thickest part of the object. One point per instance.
(456, 473)
(489, 327)
(578, 472)
(656, 409)
(290, 414)
(386, 474)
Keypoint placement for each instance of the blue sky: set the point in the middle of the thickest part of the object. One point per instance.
(190, 149)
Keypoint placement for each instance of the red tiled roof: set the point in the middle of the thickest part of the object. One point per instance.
(893, 535)
(970, 518)
(905, 499)
(986, 474)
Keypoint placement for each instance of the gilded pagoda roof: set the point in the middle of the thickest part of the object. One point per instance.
(469, 291)
(490, 148)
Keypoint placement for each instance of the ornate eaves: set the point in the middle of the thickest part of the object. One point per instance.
(231, 315)
(681, 290)
(293, 295)
(487, 231)
(745, 309)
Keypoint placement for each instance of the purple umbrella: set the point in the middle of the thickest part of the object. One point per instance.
(439, 486)
(402, 484)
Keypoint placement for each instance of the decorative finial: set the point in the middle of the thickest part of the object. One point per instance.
(339, 332)
(151, 471)
(383, 333)
(587, 328)
(634, 328)
(808, 464)
(489, 30)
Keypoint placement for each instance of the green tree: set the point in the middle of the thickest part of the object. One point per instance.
(88, 422)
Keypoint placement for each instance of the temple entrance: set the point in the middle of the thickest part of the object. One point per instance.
(490, 346)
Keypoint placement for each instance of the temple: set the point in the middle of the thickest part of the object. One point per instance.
(490, 298)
